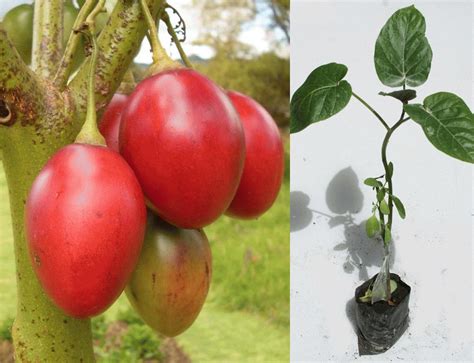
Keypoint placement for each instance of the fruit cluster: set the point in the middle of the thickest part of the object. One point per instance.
(178, 144)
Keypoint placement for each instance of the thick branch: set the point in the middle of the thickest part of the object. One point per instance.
(118, 43)
(47, 37)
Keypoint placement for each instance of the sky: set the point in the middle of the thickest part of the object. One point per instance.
(255, 33)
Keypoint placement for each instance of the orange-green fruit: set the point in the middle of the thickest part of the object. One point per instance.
(18, 23)
(171, 281)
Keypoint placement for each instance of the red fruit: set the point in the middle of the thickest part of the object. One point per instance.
(85, 223)
(110, 123)
(170, 283)
(264, 160)
(182, 137)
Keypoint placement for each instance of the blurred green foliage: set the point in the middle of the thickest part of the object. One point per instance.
(265, 78)
(126, 340)
(6, 329)
(251, 260)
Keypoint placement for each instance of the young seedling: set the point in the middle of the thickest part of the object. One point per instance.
(402, 59)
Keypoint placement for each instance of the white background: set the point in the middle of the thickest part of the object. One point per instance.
(329, 162)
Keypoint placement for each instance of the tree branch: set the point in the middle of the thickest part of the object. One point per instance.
(20, 89)
(38, 110)
(280, 18)
(65, 66)
(118, 43)
(47, 37)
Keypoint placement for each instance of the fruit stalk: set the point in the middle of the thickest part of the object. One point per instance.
(89, 133)
(176, 41)
(161, 59)
(65, 66)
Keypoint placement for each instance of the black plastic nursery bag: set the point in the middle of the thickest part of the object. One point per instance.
(380, 325)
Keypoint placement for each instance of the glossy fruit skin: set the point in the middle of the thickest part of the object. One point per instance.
(264, 160)
(171, 281)
(110, 123)
(85, 222)
(18, 23)
(182, 137)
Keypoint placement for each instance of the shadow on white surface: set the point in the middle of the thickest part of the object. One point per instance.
(345, 199)
(301, 215)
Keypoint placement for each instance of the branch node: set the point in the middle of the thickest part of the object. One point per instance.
(6, 115)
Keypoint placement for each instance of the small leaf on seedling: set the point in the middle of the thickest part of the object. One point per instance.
(390, 170)
(393, 286)
(402, 95)
(399, 205)
(372, 182)
(367, 296)
(388, 235)
(380, 194)
(384, 207)
(372, 226)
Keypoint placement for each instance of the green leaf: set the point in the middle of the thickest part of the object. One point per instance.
(372, 226)
(372, 182)
(400, 207)
(368, 293)
(404, 95)
(402, 52)
(380, 194)
(387, 235)
(448, 124)
(321, 96)
(384, 207)
(393, 286)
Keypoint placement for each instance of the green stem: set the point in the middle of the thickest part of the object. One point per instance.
(371, 110)
(47, 37)
(388, 178)
(65, 66)
(176, 41)
(159, 53)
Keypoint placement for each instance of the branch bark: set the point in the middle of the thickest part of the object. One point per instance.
(19, 87)
(47, 37)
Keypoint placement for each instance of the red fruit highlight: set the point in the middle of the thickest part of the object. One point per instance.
(109, 125)
(85, 223)
(264, 160)
(182, 137)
